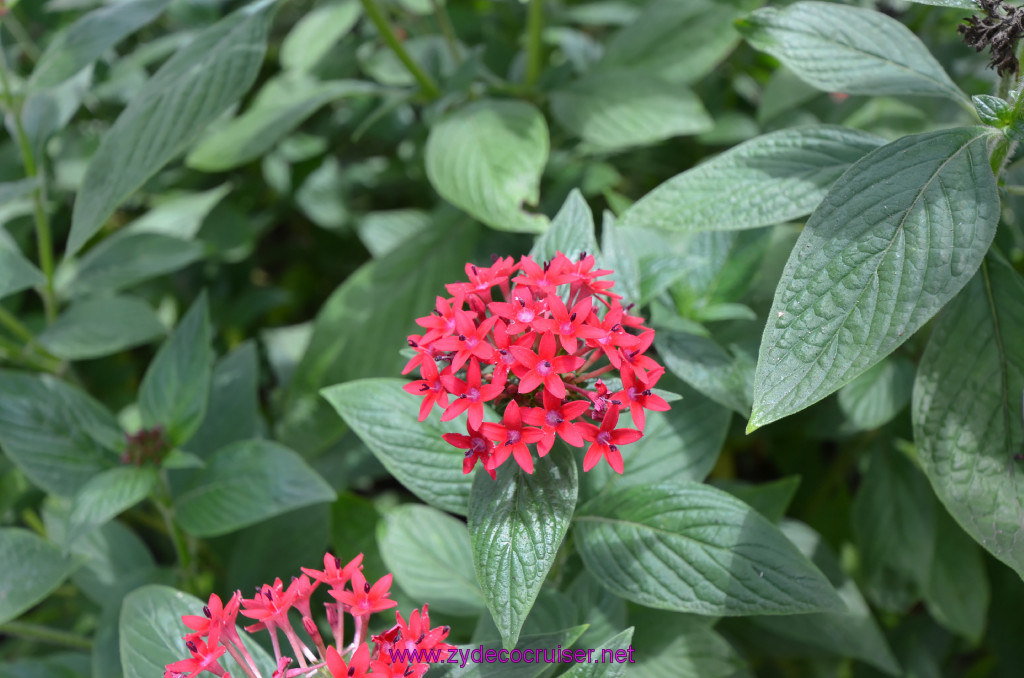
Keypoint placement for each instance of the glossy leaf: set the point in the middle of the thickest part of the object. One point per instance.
(56, 434)
(615, 110)
(188, 93)
(89, 37)
(32, 568)
(108, 494)
(101, 326)
(430, 555)
(691, 548)
(386, 418)
(245, 483)
(770, 179)
(837, 48)
(967, 410)
(175, 388)
(516, 525)
(571, 231)
(487, 158)
(897, 237)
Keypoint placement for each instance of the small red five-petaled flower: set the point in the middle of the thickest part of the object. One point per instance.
(533, 340)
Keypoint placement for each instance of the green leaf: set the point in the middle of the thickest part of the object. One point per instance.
(967, 410)
(490, 660)
(188, 93)
(430, 554)
(487, 158)
(770, 179)
(322, 196)
(993, 110)
(384, 230)
(313, 36)
(615, 654)
(363, 325)
(69, 665)
(151, 632)
(957, 594)
(613, 110)
(123, 260)
(893, 520)
(837, 48)
(31, 569)
(961, 4)
(233, 412)
(89, 37)
(672, 645)
(12, 190)
(176, 385)
(16, 272)
(386, 418)
(603, 611)
(874, 398)
(571, 231)
(246, 483)
(769, 499)
(284, 543)
(678, 41)
(691, 548)
(516, 524)
(108, 494)
(896, 238)
(101, 326)
(57, 435)
(181, 216)
(852, 632)
(281, 106)
(709, 368)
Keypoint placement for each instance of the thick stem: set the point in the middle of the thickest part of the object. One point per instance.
(44, 236)
(426, 82)
(45, 634)
(534, 43)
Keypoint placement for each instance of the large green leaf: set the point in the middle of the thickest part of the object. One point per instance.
(673, 645)
(678, 41)
(245, 483)
(957, 594)
(770, 179)
(281, 106)
(875, 397)
(692, 548)
(188, 93)
(101, 326)
(362, 327)
(487, 158)
(233, 412)
(313, 36)
(967, 411)
(571, 231)
(386, 418)
(701, 362)
(614, 110)
(151, 632)
(176, 386)
(837, 48)
(124, 260)
(89, 37)
(432, 560)
(108, 494)
(516, 524)
(895, 239)
(57, 435)
(30, 569)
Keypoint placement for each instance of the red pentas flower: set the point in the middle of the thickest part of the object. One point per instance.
(531, 340)
(215, 637)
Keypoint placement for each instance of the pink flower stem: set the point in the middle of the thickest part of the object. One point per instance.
(360, 632)
(237, 646)
(298, 647)
(597, 372)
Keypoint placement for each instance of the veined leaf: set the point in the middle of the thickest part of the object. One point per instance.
(188, 93)
(837, 48)
(895, 239)
(967, 411)
(571, 231)
(487, 158)
(32, 568)
(773, 178)
(101, 326)
(108, 494)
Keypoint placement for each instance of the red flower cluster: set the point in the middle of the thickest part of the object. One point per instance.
(214, 634)
(536, 352)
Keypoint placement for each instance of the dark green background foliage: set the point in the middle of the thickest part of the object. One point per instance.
(219, 219)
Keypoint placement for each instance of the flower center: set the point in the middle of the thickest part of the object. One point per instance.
(544, 368)
(604, 437)
(566, 328)
(473, 393)
(477, 445)
(553, 418)
(525, 315)
(513, 436)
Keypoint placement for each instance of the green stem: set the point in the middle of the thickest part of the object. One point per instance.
(44, 237)
(8, 320)
(45, 634)
(22, 36)
(426, 82)
(15, 353)
(534, 44)
(447, 30)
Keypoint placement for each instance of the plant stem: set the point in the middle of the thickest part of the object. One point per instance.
(162, 502)
(22, 36)
(44, 237)
(534, 45)
(45, 634)
(447, 30)
(426, 82)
